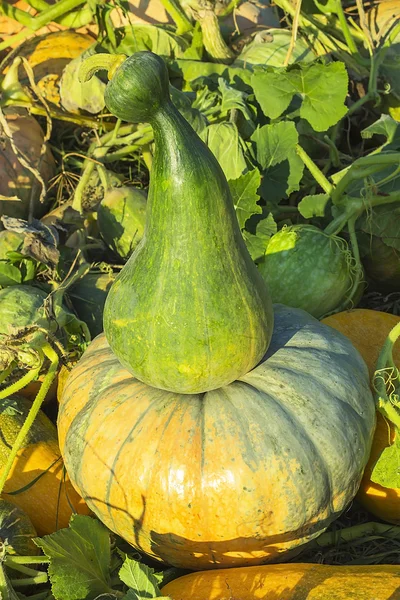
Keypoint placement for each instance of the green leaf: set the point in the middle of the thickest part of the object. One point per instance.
(142, 580)
(80, 559)
(323, 89)
(382, 222)
(190, 70)
(387, 127)
(223, 141)
(196, 48)
(257, 243)
(274, 147)
(234, 99)
(245, 197)
(313, 206)
(143, 36)
(9, 274)
(386, 471)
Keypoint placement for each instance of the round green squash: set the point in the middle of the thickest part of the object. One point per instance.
(306, 268)
(16, 530)
(236, 476)
(121, 217)
(189, 312)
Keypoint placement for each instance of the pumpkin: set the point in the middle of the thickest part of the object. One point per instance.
(237, 476)
(48, 55)
(189, 311)
(17, 180)
(121, 216)
(306, 268)
(367, 330)
(37, 482)
(289, 582)
(16, 530)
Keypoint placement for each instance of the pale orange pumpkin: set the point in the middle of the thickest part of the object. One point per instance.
(367, 330)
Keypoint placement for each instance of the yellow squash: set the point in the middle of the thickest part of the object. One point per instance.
(289, 582)
(38, 473)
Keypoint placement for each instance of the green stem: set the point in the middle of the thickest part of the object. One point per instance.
(22, 569)
(15, 387)
(182, 22)
(7, 372)
(23, 582)
(6, 590)
(100, 62)
(385, 376)
(345, 28)
(37, 403)
(44, 18)
(147, 156)
(213, 41)
(27, 560)
(350, 534)
(314, 170)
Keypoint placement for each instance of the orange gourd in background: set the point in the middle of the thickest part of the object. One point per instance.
(368, 329)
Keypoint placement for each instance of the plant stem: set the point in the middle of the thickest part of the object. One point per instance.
(345, 28)
(22, 569)
(37, 403)
(349, 534)
(182, 22)
(314, 170)
(385, 376)
(15, 387)
(23, 582)
(51, 13)
(27, 560)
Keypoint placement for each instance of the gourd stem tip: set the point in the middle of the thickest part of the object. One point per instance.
(97, 62)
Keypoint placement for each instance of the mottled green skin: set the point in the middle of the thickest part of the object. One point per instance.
(16, 528)
(189, 312)
(307, 269)
(121, 218)
(88, 297)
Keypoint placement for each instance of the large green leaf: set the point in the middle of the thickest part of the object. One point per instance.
(80, 559)
(245, 197)
(386, 471)
(322, 88)
(387, 127)
(223, 141)
(274, 147)
(142, 580)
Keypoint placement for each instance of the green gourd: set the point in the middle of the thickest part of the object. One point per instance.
(189, 312)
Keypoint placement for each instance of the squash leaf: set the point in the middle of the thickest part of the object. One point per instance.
(257, 243)
(274, 147)
(80, 559)
(387, 127)
(323, 89)
(386, 471)
(142, 580)
(9, 274)
(245, 197)
(223, 141)
(313, 206)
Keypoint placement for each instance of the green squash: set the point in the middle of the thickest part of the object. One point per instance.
(121, 217)
(189, 312)
(88, 297)
(306, 268)
(16, 528)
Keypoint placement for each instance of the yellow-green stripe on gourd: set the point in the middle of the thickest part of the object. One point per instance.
(189, 312)
(235, 476)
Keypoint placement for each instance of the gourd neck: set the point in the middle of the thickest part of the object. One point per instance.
(170, 127)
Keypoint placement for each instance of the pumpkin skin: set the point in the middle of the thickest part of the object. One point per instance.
(236, 476)
(289, 582)
(16, 527)
(367, 330)
(189, 311)
(50, 501)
